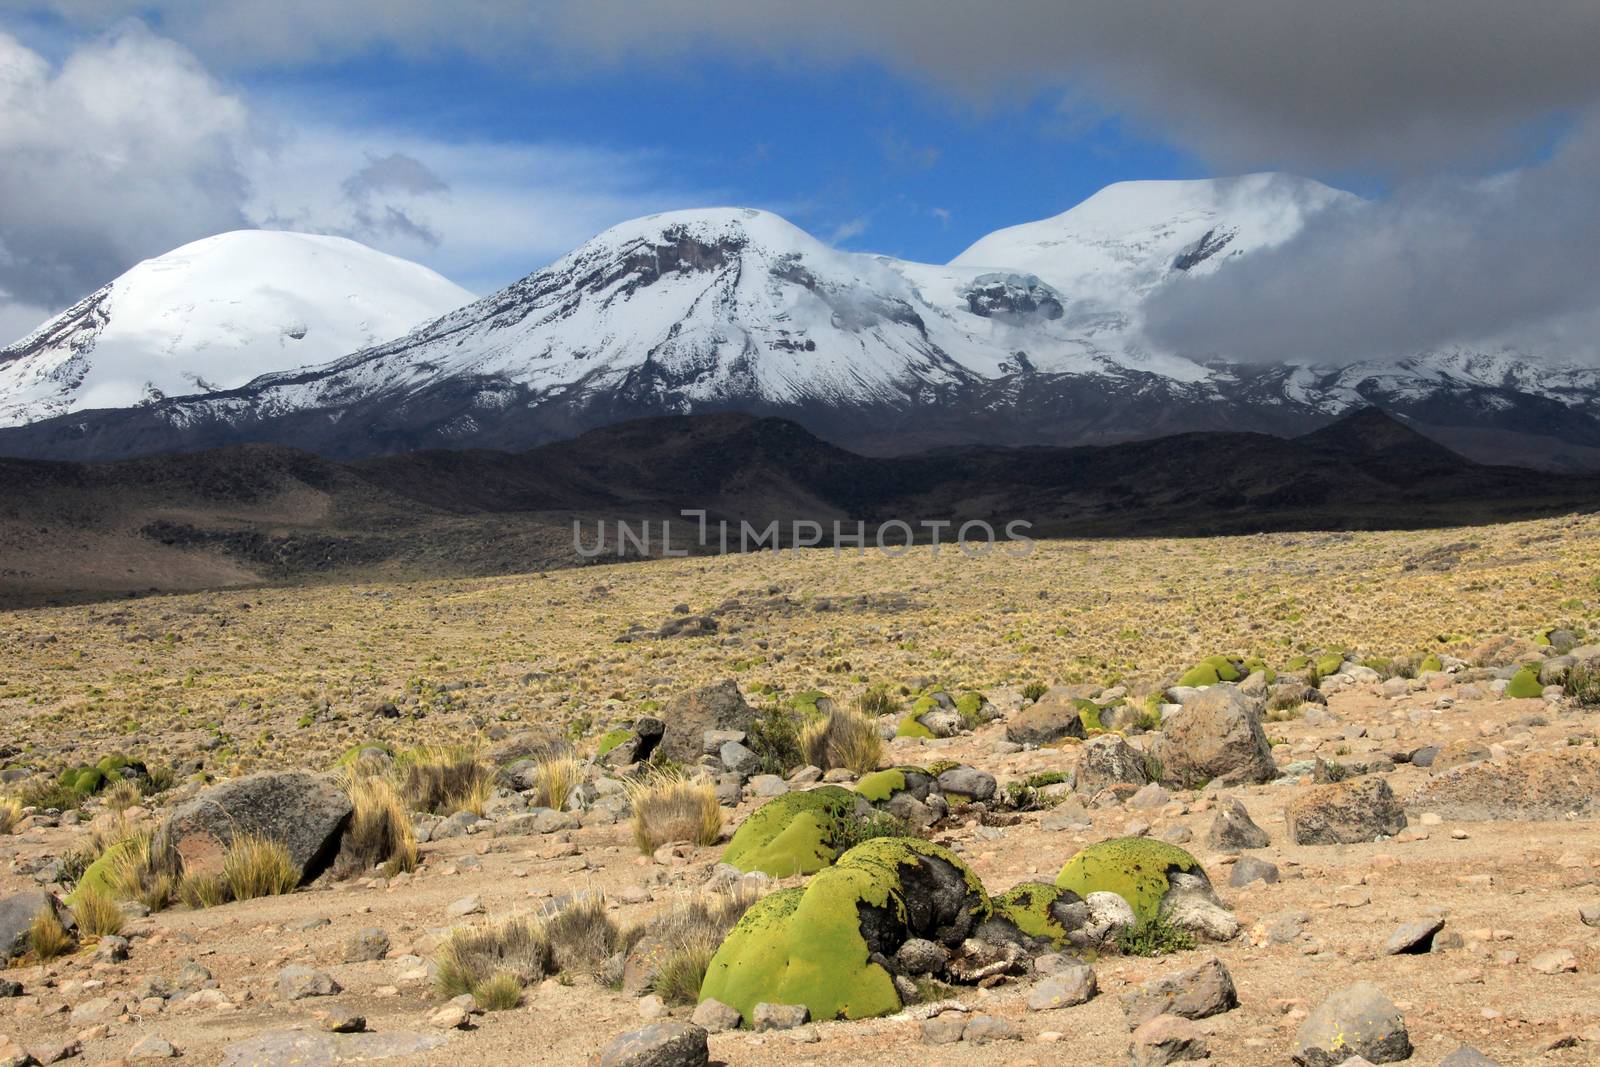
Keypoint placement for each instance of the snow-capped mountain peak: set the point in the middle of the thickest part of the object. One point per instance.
(214, 314)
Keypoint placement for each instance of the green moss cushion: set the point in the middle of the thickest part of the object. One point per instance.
(792, 834)
(911, 726)
(811, 945)
(1525, 684)
(879, 786)
(1033, 907)
(1134, 868)
(1210, 671)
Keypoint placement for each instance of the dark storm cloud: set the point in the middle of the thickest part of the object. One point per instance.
(1393, 85)
(394, 173)
(372, 191)
(1440, 262)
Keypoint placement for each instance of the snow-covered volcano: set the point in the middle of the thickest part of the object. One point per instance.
(1032, 335)
(213, 315)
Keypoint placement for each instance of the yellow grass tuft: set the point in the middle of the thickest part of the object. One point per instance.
(671, 807)
(47, 937)
(555, 777)
(445, 779)
(846, 738)
(10, 814)
(257, 866)
(380, 832)
(96, 914)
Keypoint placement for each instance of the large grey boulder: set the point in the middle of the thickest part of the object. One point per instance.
(1108, 760)
(306, 812)
(1217, 737)
(1344, 813)
(687, 717)
(1358, 1020)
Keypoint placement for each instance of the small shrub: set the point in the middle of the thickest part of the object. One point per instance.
(582, 935)
(472, 956)
(850, 832)
(1033, 691)
(775, 739)
(683, 971)
(380, 831)
(257, 866)
(97, 915)
(845, 738)
(692, 930)
(203, 890)
(555, 777)
(1155, 938)
(501, 991)
(1583, 684)
(877, 701)
(445, 779)
(671, 807)
(47, 937)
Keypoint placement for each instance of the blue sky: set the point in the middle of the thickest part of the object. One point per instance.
(487, 137)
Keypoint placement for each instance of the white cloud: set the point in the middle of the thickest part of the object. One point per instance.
(130, 148)
(127, 149)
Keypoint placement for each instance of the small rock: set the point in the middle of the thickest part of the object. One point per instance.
(1196, 993)
(658, 1045)
(778, 1016)
(152, 1047)
(464, 907)
(652, 1007)
(1066, 988)
(296, 982)
(714, 1017)
(1413, 937)
(370, 944)
(1467, 1056)
(982, 1029)
(341, 1020)
(1233, 830)
(945, 1028)
(1166, 1039)
(1554, 961)
(1251, 869)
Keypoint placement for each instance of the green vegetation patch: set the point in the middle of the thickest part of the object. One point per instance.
(1210, 671)
(1525, 684)
(1134, 868)
(911, 726)
(879, 786)
(1031, 908)
(806, 945)
(797, 833)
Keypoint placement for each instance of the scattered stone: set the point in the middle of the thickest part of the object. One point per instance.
(945, 1028)
(276, 1048)
(1413, 937)
(1358, 1020)
(1167, 1039)
(968, 782)
(341, 1020)
(982, 1029)
(1532, 786)
(658, 1045)
(1196, 993)
(1050, 719)
(1068, 987)
(367, 945)
(1251, 869)
(460, 909)
(1554, 961)
(1233, 830)
(152, 1047)
(778, 1016)
(297, 981)
(1467, 1056)
(714, 1017)
(1344, 813)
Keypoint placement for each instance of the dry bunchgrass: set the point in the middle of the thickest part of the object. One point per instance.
(555, 777)
(380, 831)
(877, 701)
(258, 866)
(203, 889)
(472, 956)
(845, 738)
(48, 937)
(445, 779)
(582, 935)
(688, 934)
(96, 914)
(141, 868)
(122, 795)
(501, 991)
(670, 807)
(10, 814)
